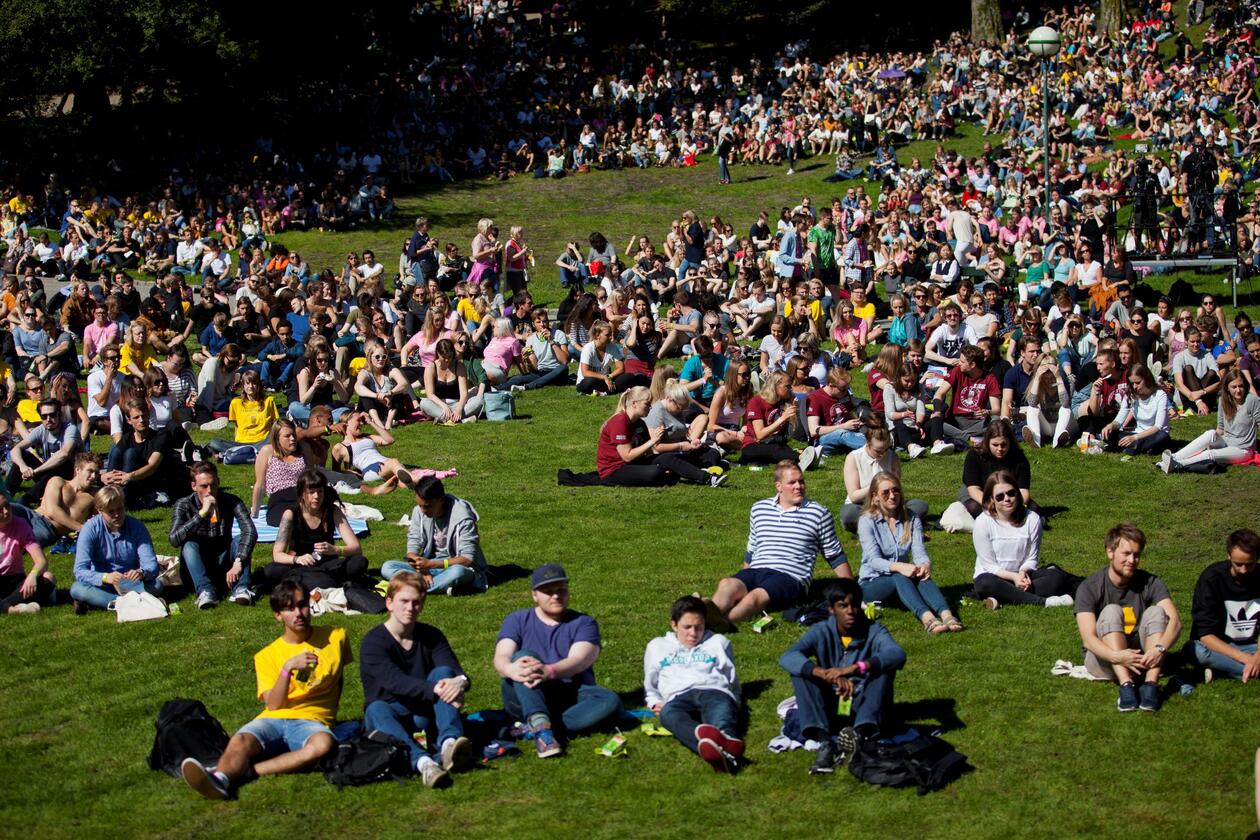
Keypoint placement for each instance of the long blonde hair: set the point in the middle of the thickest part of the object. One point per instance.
(901, 514)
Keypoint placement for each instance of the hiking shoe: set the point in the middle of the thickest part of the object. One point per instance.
(1165, 461)
(942, 446)
(434, 776)
(847, 742)
(729, 744)
(807, 458)
(206, 601)
(1149, 694)
(202, 780)
(1128, 699)
(546, 744)
(242, 597)
(457, 754)
(717, 757)
(914, 451)
(826, 759)
(717, 480)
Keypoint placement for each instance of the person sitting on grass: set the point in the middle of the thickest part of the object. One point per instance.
(545, 657)
(21, 591)
(601, 362)
(113, 555)
(832, 416)
(359, 450)
(299, 680)
(254, 412)
(1127, 621)
(682, 449)
(849, 658)
(1196, 375)
(546, 359)
(974, 401)
(201, 528)
(147, 466)
(48, 450)
(1233, 441)
(704, 371)
(1146, 404)
(443, 542)
(895, 563)
(689, 681)
(1007, 539)
(67, 503)
(768, 417)
(413, 682)
(623, 454)
(860, 468)
(1225, 611)
(786, 534)
(305, 547)
(997, 451)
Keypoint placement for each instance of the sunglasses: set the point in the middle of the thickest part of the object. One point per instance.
(43, 416)
(1008, 496)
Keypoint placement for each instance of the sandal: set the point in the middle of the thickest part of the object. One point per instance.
(954, 626)
(936, 627)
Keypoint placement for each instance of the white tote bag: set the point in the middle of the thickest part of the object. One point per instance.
(138, 606)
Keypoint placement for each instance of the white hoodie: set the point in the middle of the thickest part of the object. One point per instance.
(669, 668)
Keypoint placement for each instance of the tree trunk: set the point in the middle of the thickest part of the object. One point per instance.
(1110, 16)
(986, 22)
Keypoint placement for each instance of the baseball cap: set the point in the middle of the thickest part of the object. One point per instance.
(548, 573)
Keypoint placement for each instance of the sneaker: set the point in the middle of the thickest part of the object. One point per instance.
(1149, 693)
(807, 458)
(1060, 601)
(405, 478)
(941, 446)
(1030, 438)
(1062, 440)
(714, 755)
(1208, 676)
(215, 425)
(992, 603)
(206, 601)
(914, 451)
(242, 597)
(457, 754)
(827, 759)
(516, 389)
(847, 741)
(1128, 699)
(791, 171)
(729, 744)
(432, 775)
(546, 744)
(202, 780)
(24, 609)
(1165, 461)
(717, 480)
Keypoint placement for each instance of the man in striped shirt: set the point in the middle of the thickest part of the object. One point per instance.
(785, 536)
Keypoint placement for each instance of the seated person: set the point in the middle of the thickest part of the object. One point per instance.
(623, 454)
(786, 534)
(895, 563)
(1127, 621)
(144, 467)
(974, 401)
(201, 528)
(47, 451)
(682, 449)
(546, 359)
(1102, 403)
(689, 680)
(860, 468)
(1146, 404)
(305, 547)
(847, 657)
(1225, 608)
(443, 542)
(66, 504)
(21, 592)
(359, 451)
(113, 555)
(998, 450)
(1233, 441)
(412, 682)
(545, 656)
(768, 417)
(254, 412)
(704, 371)
(831, 415)
(1196, 375)
(1007, 539)
(299, 678)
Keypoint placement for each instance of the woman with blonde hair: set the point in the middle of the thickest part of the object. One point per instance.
(1046, 396)
(682, 448)
(485, 253)
(625, 445)
(767, 419)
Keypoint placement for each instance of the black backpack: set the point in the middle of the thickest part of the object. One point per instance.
(374, 757)
(925, 761)
(185, 730)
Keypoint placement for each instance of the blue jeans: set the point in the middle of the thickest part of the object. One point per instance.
(301, 412)
(699, 705)
(281, 735)
(816, 703)
(400, 720)
(833, 442)
(457, 577)
(1220, 663)
(917, 596)
(45, 534)
(277, 374)
(533, 381)
(102, 596)
(724, 171)
(580, 708)
(208, 565)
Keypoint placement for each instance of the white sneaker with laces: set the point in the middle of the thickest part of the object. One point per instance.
(206, 601)
(914, 451)
(941, 446)
(807, 457)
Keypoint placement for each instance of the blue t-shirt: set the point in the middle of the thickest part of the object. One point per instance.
(693, 369)
(551, 643)
(1017, 381)
(301, 326)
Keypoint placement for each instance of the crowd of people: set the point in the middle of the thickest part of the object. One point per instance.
(981, 321)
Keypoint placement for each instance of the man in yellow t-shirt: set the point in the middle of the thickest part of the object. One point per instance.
(299, 680)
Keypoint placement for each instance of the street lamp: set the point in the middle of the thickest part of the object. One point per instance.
(1043, 42)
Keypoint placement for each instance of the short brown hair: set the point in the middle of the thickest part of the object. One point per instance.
(1125, 531)
(402, 579)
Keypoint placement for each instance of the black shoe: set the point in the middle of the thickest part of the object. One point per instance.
(1149, 694)
(828, 757)
(1128, 699)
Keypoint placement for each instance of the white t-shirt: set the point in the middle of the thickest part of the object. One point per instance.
(603, 364)
(96, 384)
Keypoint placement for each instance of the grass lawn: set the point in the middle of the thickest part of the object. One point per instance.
(1053, 758)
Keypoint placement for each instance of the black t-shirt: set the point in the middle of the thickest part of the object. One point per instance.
(759, 230)
(201, 315)
(1145, 341)
(1225, 606)
(693, 251)
(130, 302)
(977, 468)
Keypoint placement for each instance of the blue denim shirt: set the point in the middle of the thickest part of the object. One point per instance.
(100, 551)
(881, 548)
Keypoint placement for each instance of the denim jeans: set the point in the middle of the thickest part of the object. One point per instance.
(816, 703)
(699, 705)
(456, 577)
(300, 412)
(400, 720)
(276, 374)
(580, 708)
(45, 534)
(917, 596)
(208, 566)
(833, 442)
(724, 171)
(1219, 662)
(281, 735)
(102, 596)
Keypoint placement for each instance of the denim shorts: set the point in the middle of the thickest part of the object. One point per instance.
(280, 735)
(784, 590)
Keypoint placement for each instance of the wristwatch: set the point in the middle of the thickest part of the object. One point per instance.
(1161, 648)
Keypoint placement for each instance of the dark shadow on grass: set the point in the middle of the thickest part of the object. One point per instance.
(506, 573)
(755, 688)
(936, 713)
(748, 180)
(1049, 511)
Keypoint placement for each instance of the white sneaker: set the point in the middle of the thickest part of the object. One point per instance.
(942, 446)
(1165, 461)
(242, 597)
(344, 489)
(28, 609)
(1059, 601)
(206, 601)
(791, 171)
(433, 775)
(717, 480)
(215, 425)
(807, 457)
(516, 389)
(457, 754)
(914, 451)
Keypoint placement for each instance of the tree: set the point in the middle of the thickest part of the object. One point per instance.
(1111, 16)
(986, 22)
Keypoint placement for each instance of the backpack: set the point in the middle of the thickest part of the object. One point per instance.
(374, 757)
(185, 730)
(925, 761)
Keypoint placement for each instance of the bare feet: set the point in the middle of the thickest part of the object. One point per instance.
(387, 486)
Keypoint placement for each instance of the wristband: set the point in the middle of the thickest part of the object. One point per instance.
(551, 672)
(862, 666)
(285, 672)
(446, 564)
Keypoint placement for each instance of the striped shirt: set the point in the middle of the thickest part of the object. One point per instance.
(789, 541)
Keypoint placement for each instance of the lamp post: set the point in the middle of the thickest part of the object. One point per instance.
(1043, 42)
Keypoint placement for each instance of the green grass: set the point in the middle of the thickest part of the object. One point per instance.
(78, 695)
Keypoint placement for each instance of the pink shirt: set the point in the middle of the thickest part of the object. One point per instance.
(502, 352)
(94, 337)
(15, 539)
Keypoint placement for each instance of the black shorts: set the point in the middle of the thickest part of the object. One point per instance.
(784, 590)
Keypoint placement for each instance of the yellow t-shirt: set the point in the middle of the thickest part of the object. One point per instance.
(142, 358)
(253, 420)
(467, 311)
(313, 693)
(28, 410)
(864, 312)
